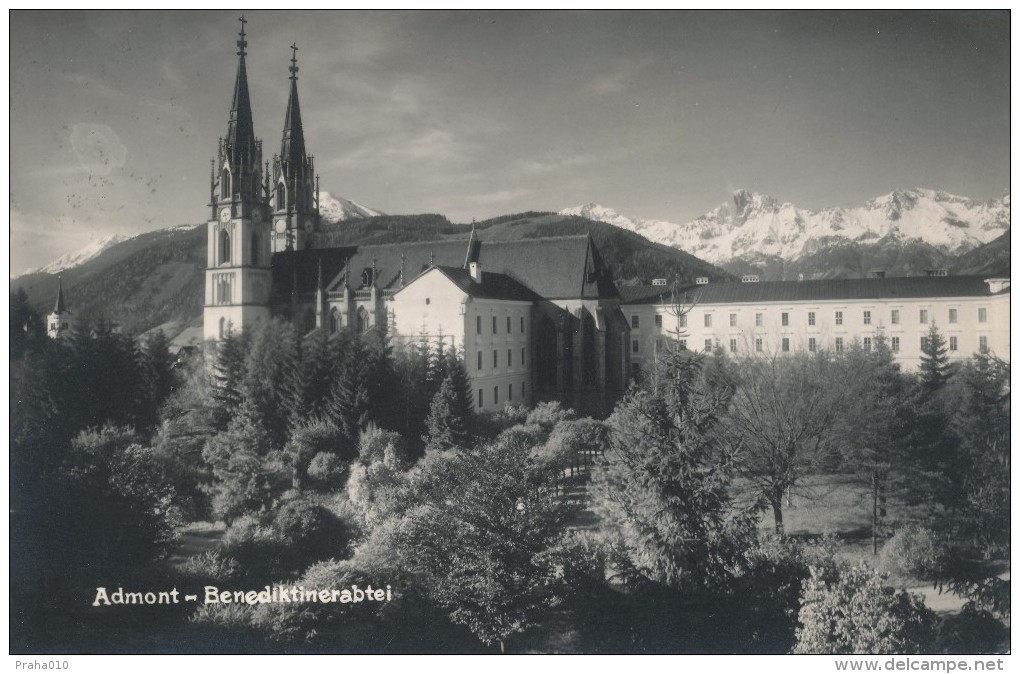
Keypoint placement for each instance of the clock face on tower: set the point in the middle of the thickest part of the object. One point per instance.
(225, 215)
(281, 226)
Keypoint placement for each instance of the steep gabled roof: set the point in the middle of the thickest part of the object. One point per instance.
(908, 287)
(493, 286)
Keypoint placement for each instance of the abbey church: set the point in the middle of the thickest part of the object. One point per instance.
(535, 319)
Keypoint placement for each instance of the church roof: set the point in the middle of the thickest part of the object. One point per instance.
(907, 287)
(493, 286)
(301, 268)
(562, 267)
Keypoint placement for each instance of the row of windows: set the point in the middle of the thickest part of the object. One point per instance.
(495, 394)
(509, 358)
(495, 325)
(812, 345)
(759, 318)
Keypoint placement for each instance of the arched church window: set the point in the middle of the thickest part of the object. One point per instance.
(254, 248)
(280, 202)
(309, 322)
(224, 246)
(223, 327)
(225, 192)
(334, 321)
(362, 319)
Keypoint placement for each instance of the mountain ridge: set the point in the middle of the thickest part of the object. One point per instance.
(757, 228)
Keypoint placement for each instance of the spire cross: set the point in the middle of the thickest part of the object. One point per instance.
(242, 43)
(293, 62)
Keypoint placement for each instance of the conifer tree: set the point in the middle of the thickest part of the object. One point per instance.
(349, 404)
(228, 372)
(934, 368)
(451, 414)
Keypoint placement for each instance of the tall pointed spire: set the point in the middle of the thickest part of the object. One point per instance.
(60, 307)
(240, 140)
(292, 149)
(474, 247)
(295, 187)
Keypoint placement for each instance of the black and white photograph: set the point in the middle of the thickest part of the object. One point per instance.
(479, 332)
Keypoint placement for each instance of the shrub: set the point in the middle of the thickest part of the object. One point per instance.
(916, 552)
(851, 611)
(309, 532)
(328, 470)
(377, 445)
(211, 567)
(973, 630)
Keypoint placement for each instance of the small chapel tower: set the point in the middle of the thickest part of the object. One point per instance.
(295, 195)
(238, 276)
(58, 323)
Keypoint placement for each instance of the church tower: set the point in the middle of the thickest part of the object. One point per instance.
(238, 276)
(58, 323)
(295, 191)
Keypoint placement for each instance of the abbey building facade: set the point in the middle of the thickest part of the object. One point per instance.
(535, 319)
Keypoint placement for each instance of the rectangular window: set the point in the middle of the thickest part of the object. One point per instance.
(759, 320)
(785, 318)
(658, 344)
(733, 346)
(708, 320)
(478, 324)
(923, 316)
(757, 343)
(480, 401)
(786, 343)
(983, 344)
(683, 344)
(867, 343)
(839, 318)
(683, 321)
(658, 320)
(708, 345)
(894, 317)
(495, 395)
(982, 315)
(509, 358)
(479, 360)
(839, 344)
(867, 318)
(524, 390)
(493, 325)
(924, 343)
(812, 345)
(509, 392)
(635, 345)
(522, 329)
(508, 325)
(733, 320)
(523, 361)
(495, 359)
(954, 344)
(952, 315)
(811, 318)
(635, 370)
(896, 344)
(635, 322)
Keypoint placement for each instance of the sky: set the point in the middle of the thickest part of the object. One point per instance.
(114, 116)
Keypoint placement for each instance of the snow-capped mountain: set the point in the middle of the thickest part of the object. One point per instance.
(338, 209)
(81, 256)
(755, 226)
